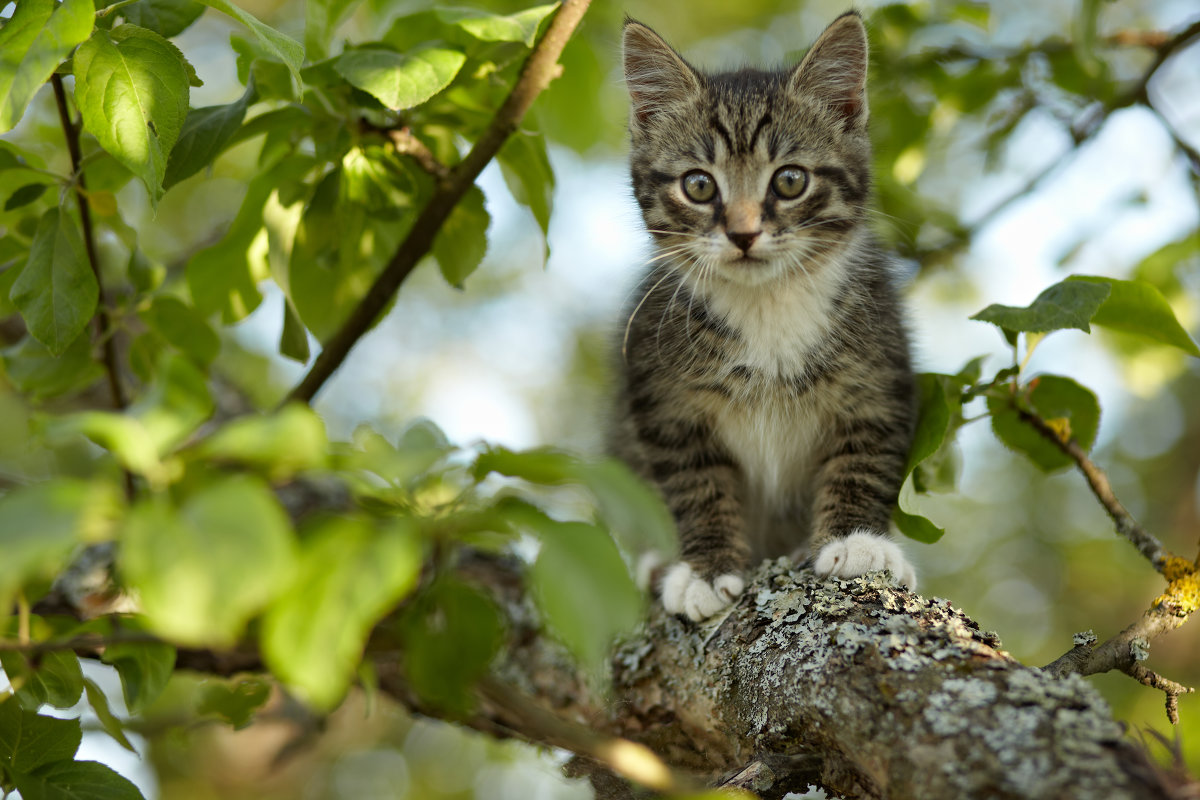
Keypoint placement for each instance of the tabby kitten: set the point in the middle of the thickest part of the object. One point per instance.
(766, 387)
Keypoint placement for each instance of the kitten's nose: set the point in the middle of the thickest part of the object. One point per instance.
(744, 241)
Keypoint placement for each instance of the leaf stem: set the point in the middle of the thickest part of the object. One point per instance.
(540, 68)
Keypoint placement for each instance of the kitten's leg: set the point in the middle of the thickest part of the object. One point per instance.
(857, 487)
(700, 484)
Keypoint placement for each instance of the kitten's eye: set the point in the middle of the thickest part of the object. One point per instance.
(699, 186)
(789, 182)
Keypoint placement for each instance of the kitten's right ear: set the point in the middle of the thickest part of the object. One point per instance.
(657, 76)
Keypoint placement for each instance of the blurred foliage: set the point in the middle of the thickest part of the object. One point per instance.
(139, 260)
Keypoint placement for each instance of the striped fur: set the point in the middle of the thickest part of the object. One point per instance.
(766, 387)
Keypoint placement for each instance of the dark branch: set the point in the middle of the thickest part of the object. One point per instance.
(539, 70)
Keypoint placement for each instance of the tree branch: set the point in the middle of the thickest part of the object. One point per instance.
(541, 67)
(1145, 542)
(104, 329)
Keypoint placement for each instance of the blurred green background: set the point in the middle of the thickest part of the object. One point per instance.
(1007, 157)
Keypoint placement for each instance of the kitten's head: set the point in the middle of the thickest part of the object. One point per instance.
(748, 175)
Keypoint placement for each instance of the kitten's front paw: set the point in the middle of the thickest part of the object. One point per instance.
(685, 592)
(861, 552)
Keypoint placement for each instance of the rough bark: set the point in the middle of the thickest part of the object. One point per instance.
(866, 689)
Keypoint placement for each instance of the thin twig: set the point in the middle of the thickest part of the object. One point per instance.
(406, 144)
(1169, 687)
(104, 330)
(540, 68)
(1145, 542)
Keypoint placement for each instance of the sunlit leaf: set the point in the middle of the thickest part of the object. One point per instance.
(175, 403)
(519, 27)
(350, 574)
(632, 511)
(281, 444)
(57, 291)
(132, 89)
(400, 80)
(917, 527)
(203, 571)
(123, 436)
(33, 41)
(461, 242)
(321, 19)
(1139, 308)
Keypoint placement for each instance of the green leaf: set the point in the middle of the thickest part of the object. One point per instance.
(1061, 402)
(33, 42)
(400, 80)
(203, 572)
(57, 292)
(293, 340)
(28, 740)
(182, 326)
(205, 135)
(131, 86)
(123, 436)
(914, 526)
(321, 19)
(527, 172)
(76, 780)
(111, 725)
(175, 404)
(628, 506)
(41, 524)
(25, 195)
(541, 465)
(167, 18)
(40, 374)
(55, 678)
(1067, 304)
(350, 575)
(281, 444)
(285, 48)
(234, 700)
(933, 420)
(451, 633)
(583, 589)
(1139, 308)
(421, 447)
(144, 667)
(462, 241)
(519, 27)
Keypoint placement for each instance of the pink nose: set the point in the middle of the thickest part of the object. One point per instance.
(743, 241)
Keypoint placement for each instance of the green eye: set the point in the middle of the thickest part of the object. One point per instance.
(700, 187)
(789, 182)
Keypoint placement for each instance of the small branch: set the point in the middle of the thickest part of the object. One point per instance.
(541, 67)
(104, 329)
(1145, 542)
(1172, 689)
(406, 144)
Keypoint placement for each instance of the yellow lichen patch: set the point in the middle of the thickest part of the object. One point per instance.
(1182, 596)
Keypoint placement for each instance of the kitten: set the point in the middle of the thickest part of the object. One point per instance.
(766, 386)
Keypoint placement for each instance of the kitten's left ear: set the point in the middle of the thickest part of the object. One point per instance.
(835, 69)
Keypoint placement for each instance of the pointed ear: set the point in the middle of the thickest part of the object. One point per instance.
(835, 69)
(657, 76)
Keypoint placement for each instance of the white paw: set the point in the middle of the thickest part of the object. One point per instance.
(684, 592)
(861, 552)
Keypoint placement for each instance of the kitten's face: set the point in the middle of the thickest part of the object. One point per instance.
(751, 175)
